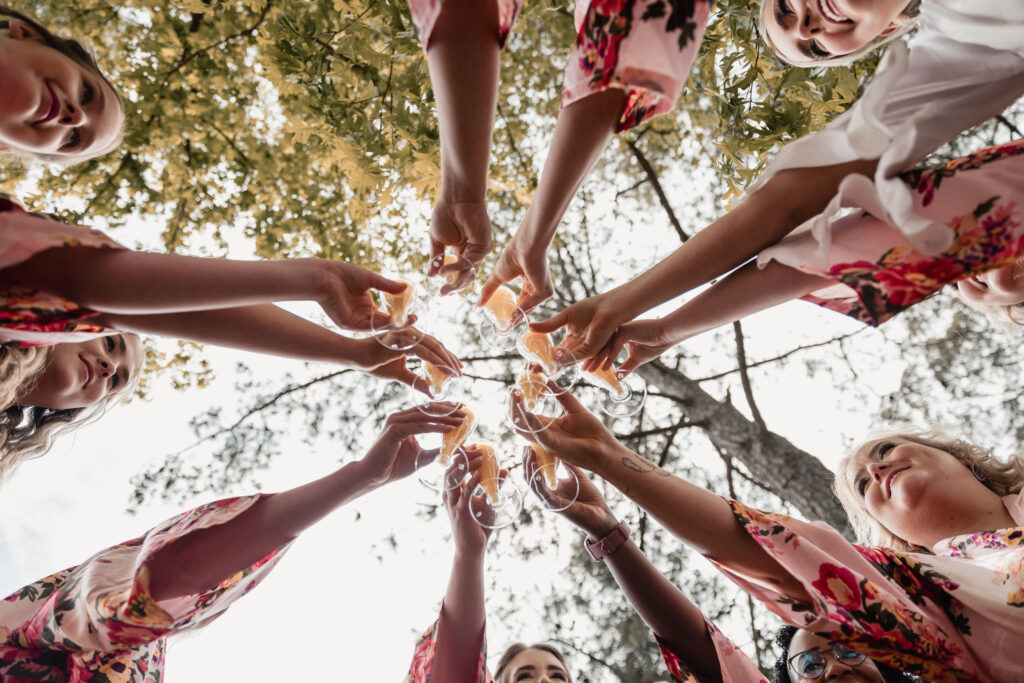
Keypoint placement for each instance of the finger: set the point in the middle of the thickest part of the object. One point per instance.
(632, 362)
(569, 403)
(383, 284)
(436, 257)
(528, 302)
(555, 322)
(410, 378)
(490, 287)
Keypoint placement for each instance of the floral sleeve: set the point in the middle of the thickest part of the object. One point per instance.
(893, 607)
(104, 605)
(29, 316)
(645, 47)
(878, 273)
(734, 665)
(423, 658)
(426, 12)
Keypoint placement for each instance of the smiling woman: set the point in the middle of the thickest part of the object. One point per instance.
(57, 105)
(832, 32)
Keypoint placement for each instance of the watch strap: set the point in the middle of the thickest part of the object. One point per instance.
(603, 547)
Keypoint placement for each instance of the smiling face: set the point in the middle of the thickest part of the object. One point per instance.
(52, 105)
(812, 657)
(808, 31)
(79, 375)
(920, 493)
(533, 665)
(999, 286)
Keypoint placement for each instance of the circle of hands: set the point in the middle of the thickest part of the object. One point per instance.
(577, 438)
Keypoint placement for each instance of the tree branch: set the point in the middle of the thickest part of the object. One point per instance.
(741, 359)
(662, 197)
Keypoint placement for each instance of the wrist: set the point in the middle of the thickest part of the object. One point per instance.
(600, 548)
(598, 530)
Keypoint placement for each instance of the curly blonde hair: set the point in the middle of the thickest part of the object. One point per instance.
(911, 11)
(503, 674)
(28, 431)
(1002, 478)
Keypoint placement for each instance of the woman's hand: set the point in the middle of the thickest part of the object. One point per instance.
(591, 323)
(466, 229)
(528, 262)
(469, 536)
(589, 511)
(397, 454)
(344, 293)
(644, 340)
(377, 360)
(577, 436)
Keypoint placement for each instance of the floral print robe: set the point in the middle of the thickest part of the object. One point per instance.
(955, 615)
(645, 47)
(28, 316)
(979, 197)
(96, 623)
(423, 658)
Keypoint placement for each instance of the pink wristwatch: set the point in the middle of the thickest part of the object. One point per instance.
(601, 548)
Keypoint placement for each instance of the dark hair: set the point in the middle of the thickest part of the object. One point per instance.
(501, 673)
(69, 47)
(780, 672)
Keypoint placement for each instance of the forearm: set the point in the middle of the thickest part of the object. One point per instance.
(463, 60)
(663, 607)
(132, 282)
(701, 519)
(582, 131)
(744, 292)
(263, 328)
(460, 630)
(201, 560)
(787, 201)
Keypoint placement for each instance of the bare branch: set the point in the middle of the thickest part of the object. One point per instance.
(658, 189)
(741, 359)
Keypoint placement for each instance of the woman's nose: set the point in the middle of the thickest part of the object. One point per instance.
(107, 368)
(810, 25)
(834, 669)
(71, 115)
(877, 470)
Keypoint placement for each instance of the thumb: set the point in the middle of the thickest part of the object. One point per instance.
(380, 282)
(436, 257)
(555, 322)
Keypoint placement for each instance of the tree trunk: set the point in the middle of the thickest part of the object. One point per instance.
(793, 474)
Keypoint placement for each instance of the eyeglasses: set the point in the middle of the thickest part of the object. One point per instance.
(810, 664)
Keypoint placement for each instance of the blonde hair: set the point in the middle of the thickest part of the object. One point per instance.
(1002, 478)
(911, 11)
(28, 431)
(503, 674)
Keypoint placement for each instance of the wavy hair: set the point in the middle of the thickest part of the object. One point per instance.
(28, 432)
(911, 11)
(780, 670)
(1002, 478)
(79, 54)
(504, 675)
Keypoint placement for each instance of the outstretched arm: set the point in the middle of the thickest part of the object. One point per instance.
(131, 282)
(788, 200)
(676, 621)
(206, 557)
(269, 329)
(744, 292)
(700, 518)
(460, 630)
(463, 57)
(581, 133)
